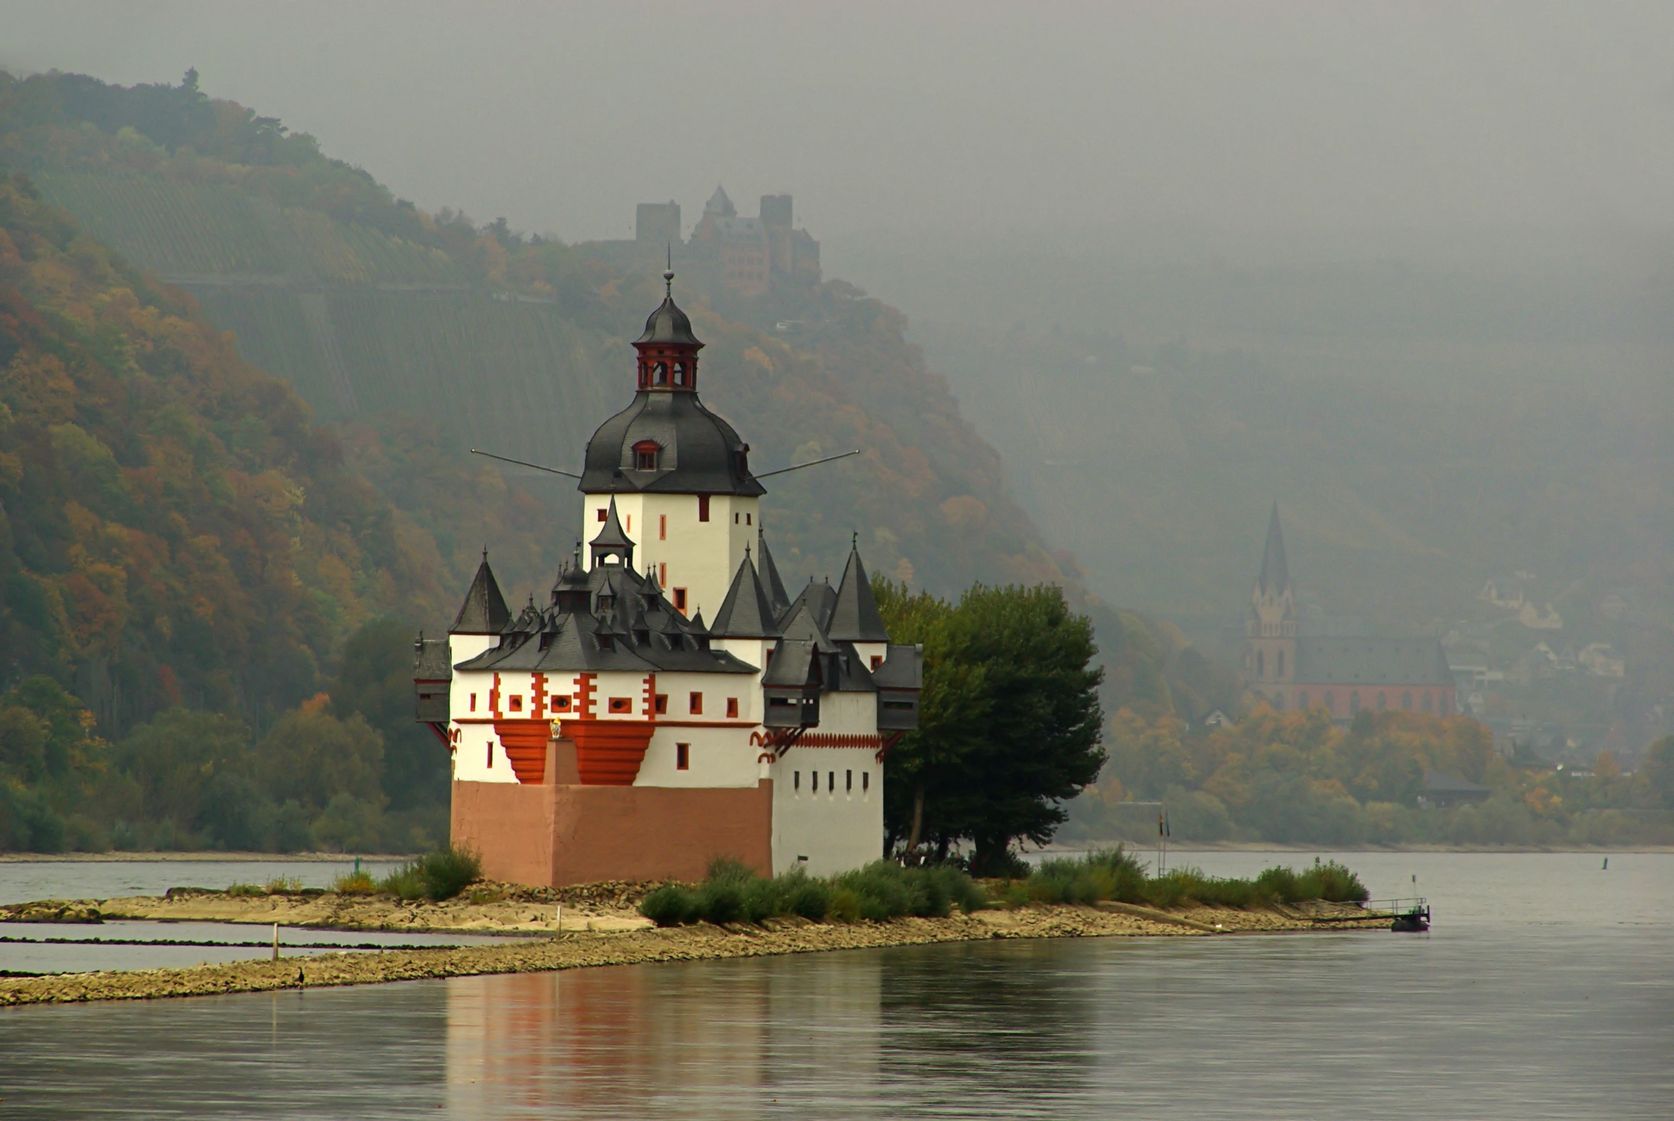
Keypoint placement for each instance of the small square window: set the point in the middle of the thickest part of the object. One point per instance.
(703, 507)
(694, 702)
(601, 515)
(682, 756)
(732, 708)
(560, 704)
(661, 703)
(621, 704)
(877, 660)
(747, 518)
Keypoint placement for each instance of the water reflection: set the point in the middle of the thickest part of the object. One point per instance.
(703, 1039)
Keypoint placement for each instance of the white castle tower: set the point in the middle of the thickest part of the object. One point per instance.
(610, 733)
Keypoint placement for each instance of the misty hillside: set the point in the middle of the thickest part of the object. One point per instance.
(389, 318)
(174, 529)
(1424, 425)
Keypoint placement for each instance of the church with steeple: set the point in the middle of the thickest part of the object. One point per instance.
(1290, 668)
(608, 732)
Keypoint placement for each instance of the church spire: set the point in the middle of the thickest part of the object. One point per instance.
(1275, 576)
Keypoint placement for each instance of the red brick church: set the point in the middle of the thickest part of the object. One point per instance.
(1344, 674)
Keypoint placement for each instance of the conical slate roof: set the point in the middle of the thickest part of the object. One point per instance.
(484, 610)
(854, 615)
(775, 587)
(747, 611)
(1275, 577)
(818, 599)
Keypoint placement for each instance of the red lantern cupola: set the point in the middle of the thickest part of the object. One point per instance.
(667, 349)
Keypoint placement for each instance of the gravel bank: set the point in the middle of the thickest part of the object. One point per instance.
(582, 949)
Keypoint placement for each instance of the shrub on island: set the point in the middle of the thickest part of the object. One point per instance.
(882, 890)
(1117, 875)
(435, 876)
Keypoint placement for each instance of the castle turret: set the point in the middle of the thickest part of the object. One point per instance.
(854, 613)
(481, 617)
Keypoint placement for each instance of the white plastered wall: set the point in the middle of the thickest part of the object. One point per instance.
(701, 557)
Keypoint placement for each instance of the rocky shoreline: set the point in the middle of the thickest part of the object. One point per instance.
(622, 940)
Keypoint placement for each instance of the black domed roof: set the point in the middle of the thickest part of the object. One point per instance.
(698, 452)
(668, 324)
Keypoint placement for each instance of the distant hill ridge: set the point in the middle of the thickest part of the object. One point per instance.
(372, 308)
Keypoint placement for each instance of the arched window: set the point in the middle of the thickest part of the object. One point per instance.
(680, 373)
(1261, 665)
(647, 453)
(659, 373)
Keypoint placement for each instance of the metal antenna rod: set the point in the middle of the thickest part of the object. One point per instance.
(810, 463)
(526, 463)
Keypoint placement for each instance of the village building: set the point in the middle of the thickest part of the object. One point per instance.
(609, 732)
(1344, 674)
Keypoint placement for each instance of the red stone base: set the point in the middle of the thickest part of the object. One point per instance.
(553, 835)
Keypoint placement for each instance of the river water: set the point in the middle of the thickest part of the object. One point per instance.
(1545, 989)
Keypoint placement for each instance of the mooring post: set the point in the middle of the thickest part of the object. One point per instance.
(275, 941)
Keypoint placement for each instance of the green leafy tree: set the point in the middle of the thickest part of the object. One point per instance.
(1010, 722)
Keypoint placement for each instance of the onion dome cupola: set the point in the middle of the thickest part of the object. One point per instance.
(667, 347)
(666, 441)
(484, 610)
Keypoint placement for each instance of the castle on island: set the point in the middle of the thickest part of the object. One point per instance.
(608, 732)
(1343, 674)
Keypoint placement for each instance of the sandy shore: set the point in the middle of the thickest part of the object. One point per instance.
(597, 931)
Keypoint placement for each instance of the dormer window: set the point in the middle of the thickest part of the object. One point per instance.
(647, 453)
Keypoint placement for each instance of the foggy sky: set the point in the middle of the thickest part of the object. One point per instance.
(975, 121)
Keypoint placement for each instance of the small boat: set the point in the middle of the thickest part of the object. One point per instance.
(1413, 921)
